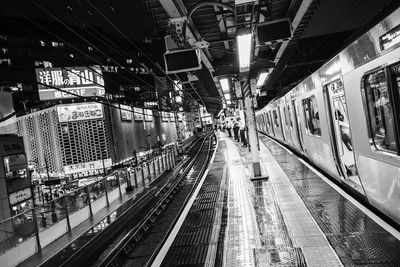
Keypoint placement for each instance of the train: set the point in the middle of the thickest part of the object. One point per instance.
(345, 117)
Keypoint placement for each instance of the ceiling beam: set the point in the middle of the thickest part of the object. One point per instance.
(176, 9)
(296, 21)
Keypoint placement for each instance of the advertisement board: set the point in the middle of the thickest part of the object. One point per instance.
(87, 166)
(81, 81)
(138, 114)
(20, 196)
(79, 112)
(126, 113)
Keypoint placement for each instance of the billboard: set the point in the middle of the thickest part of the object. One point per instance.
(81, 81)
(79, 112)
(87, 166)
(126, 113)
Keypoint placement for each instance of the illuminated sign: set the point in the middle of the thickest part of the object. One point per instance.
(390, 38)
(164, 116)
(172, 116)
(15, 166)
(87, 181)
(81, 81)
(180, 116)
(20, 196)
(79, 112)
(87, 166)
(138, 114)
(148, 115)
(126, 113)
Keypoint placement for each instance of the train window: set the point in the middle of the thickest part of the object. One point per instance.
(380, 111)
(290, 116)
(311, 115)
(268, 120)
(284, 115)
(275, 118)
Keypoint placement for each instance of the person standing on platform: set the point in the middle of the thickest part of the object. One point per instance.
(229, 126)
(242, 128)
(236, 129)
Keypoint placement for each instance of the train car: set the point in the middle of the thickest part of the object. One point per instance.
(343, 116)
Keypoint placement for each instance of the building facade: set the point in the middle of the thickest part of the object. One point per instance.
(82, 139)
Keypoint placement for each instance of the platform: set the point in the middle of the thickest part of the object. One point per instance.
(296, 218)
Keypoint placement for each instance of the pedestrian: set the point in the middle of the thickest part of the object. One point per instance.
(236, 129)
(242, 128)
(230, 127)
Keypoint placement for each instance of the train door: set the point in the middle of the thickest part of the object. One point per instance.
(265, 123)
(281, 124)
(340, 134)
(297, 125)
(271, 123)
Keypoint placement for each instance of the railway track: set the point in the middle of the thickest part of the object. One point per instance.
(143, 251)
(109, 242)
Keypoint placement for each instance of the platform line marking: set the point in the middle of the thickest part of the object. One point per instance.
(364, 209)
(276, 165)
(213, 242)
(171, 237)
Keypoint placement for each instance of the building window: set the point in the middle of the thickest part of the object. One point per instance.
(380, 108)
(311, 116)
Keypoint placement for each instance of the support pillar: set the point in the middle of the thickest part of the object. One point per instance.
(251, 126)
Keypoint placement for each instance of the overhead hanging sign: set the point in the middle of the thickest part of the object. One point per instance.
(80, 81)
(79, 112)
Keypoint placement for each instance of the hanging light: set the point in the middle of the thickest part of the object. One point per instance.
(244, 49)
(224, 84)
(261, 78)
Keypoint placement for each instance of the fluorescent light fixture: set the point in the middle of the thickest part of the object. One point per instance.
(227, 96)
(261, 78)
(224, 84)
(244, 49)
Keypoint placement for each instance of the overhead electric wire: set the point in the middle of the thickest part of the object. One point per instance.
(137, 47)
(77, 49)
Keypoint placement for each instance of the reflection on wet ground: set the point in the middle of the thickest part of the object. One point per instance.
(355, 237)
(277, 247)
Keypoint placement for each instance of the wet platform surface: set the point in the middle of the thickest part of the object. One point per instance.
(293, 219)
(356, 238)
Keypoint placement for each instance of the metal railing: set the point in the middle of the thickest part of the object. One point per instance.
(17, 229)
